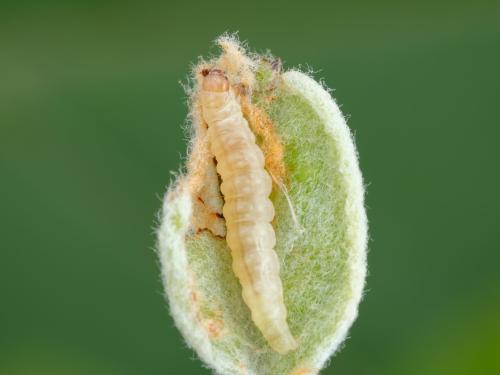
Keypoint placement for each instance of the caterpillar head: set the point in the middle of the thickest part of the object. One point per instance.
(214, 80)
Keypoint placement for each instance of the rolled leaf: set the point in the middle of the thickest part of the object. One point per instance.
(320, 225)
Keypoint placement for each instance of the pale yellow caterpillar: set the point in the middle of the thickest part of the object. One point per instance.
(248, 211)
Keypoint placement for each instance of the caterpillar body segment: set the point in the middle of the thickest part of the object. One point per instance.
(248, 211)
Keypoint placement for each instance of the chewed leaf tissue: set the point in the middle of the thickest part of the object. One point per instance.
(263, 239)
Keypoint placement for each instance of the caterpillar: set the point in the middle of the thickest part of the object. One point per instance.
(247, 209)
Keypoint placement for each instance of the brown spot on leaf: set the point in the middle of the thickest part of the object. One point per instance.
(207, 314)
(214, 327)
(240, 90)
(242, 367)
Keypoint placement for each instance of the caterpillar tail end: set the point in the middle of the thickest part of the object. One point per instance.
(284, 342)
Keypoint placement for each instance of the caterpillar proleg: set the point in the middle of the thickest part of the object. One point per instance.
(248, 211)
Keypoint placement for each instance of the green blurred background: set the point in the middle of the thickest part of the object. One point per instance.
(90, 127)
